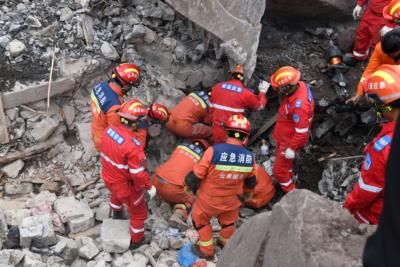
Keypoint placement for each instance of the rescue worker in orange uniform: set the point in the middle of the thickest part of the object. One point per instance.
(292, 127)
(123, 169)
(264, 190)
(170, 176)
(372, 21)
(232, 97)
(221, 176)
(365, 201)
(386, 52)
(107, 97)
(391, 13)
(190, 118)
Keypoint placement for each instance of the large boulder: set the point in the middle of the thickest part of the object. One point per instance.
(230, 21)
(303, 230)
(310, 8)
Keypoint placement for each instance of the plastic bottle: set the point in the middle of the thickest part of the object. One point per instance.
(264, 150)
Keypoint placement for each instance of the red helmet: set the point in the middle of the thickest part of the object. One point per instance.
(132, 110)
(285, 76)
(203, 142)
(159, 112)
(127, 74)
(392, 11)
(238, 123)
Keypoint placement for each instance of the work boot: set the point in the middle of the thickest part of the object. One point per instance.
(178, 220)
(146, 240)
(196, 251)
(117, 214)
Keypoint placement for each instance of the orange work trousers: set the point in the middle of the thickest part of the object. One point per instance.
(202, 213)
(172, 193)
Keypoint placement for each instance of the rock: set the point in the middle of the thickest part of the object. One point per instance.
(85, 136)
(345, 40)
(109, 51)
(69, 113)
(153, 249)
(5, 40)
(175, 243)
(124, 260)
(102, 212)
(169, 43)
(12, 169)
(18, 189)
(33, 22)
(303, 229)
(324, 127)
(246, 212)
(3, 225)
(234, 51)
(42, 130)
(11, 256)
(16, 47)
(238, 20)
(104, 256)
(32, 259)
(51, 186)
(77, 214)
(37, 231)
(167, 258)
(139, 260)
(16, 216)
(115, 236)
(137, 34)
(68, 248)
(368, 116)
(88, 249)
(66, 14)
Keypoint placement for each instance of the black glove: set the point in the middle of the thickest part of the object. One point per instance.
(250, 182)
(192, 182)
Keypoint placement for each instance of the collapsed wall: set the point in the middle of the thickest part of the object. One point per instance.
(236, 23)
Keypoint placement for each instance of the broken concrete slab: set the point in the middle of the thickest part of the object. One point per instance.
(115, 236)
(89, 249)
(36, 93)
(37, 231)
(12, 169)
(77, 214)
(32, 259)
(238, 20)
(85, 136)
(18, 189)
(42, 130)
(11, 256)
(16, 216)
(68, 248)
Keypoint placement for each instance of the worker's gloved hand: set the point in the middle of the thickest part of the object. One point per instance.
(385, 29)
(357, 12)
(289, 153)
(192, 182)
(354, 99)
(151, 193)
(263, 87)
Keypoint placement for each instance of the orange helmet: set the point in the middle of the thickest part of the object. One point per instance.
(285, 76)
(203, 142)
(132, 110)
(159, 112)
(392, 11)
(238, 123)
(385, 83)
(127, 74)
(238, 72)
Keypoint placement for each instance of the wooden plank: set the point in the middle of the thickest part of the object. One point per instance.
(36, 93)
(265, 127)
(33, 150)
(3, 127)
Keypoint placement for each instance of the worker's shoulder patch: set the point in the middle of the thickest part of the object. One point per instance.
(367, 162)
(115, 136)
(296, 117)
(298, 103)
(382, 143)
(309, 94)
(137, 143)
(232, 87)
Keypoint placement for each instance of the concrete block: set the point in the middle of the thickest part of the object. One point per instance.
(88, 249)
(42, 130)
(11, 256)
(115, 235)
(85, 136)
(37, 231)
(15, 216)
(18, 189)
(12, 170)
(77, 214)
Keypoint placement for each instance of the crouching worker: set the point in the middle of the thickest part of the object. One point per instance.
(123, 170)
(221, 176)
(170, 176)
(264, 190)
